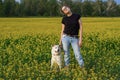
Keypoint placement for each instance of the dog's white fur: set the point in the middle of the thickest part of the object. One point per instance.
(56, 56)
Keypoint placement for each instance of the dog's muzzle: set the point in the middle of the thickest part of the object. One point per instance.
(56, 54)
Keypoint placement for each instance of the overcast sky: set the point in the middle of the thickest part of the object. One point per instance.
(118, 1)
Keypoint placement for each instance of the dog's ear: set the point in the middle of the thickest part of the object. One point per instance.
(60, 46)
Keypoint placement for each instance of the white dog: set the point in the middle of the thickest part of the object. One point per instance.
(56, 56)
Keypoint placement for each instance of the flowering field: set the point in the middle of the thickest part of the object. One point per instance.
(25, 49)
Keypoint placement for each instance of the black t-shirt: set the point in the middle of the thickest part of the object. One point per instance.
(71, 24)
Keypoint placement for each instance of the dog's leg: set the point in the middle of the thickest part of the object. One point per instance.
(60, 65)
(51, 64)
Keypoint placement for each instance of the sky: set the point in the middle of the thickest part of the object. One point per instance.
(117, 1)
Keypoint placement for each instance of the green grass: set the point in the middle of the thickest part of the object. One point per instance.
(25, 49)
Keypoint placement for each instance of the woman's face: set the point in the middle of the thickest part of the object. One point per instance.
(66, 10)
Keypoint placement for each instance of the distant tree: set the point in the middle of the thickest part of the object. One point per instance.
(1, 8)
(99, 7)
(9, 7)
(42, 6)
(118, 8)
(0, 2)
(33, 7)
(111, 9)
(53, 7)
(87, 8)
(77, 7)
(26, 7)
(17, 9)
(66, 2)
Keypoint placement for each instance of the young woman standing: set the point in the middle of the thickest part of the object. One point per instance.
(71, 30)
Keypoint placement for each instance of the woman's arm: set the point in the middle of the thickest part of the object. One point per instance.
(60, 43)
(80, 32)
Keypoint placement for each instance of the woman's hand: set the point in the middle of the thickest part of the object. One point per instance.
(80, 43)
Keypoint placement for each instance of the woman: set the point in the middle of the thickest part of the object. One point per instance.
(71, 27)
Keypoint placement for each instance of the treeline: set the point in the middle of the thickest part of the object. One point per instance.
(11, 8)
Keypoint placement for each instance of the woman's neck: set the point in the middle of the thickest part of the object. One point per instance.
(69, 14)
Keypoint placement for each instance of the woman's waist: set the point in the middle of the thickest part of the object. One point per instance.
(71, 35)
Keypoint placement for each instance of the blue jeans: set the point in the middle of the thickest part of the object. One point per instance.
(66, 41)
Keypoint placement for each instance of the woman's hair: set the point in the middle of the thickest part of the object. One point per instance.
(62, 7)
(61, 10)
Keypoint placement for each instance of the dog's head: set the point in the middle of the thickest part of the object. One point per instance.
(56, 50)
